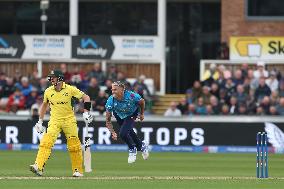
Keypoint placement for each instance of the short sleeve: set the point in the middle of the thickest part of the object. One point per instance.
(76, 92)
(45, 99)
(109, 104)
(137, 97)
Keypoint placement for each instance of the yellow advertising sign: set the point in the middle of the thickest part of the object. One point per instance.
(254, 48)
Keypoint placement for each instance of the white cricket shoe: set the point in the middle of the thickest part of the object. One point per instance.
(132, 155)
(77, 174)
(34, 168)
(145, 150)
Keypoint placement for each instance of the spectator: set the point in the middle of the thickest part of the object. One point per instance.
(280, 106)
(8, 88)
(141, 87)
(34, 114)
(191, 109)
(262, 90)
(240, 94)
(183, 106)
(224, 99)
(67, 75)
(188, 94)
(253, 81)
(221, 80)
(108, 85)
(281, 88)
(209, 109)
(224, 72)
(97, 73)
(34, 78)
(210, 75)
(206, 94)
(37, 104)
(215, 89)
(24, 86)
(259, 111)
(196, 90)
(100, 102)
(260, 72)
(84, 83)
(76, 77)
(230, 87)
(31, 98)
(173, 110)
(246, 85)
(265, 104)
(16, 101)
(225, 109)
(233, 108)
(274, 98)
(93, 89)
(272, 81)
(200, 107)
(278, 74)
(214, 105)
(238, 77)
(17, 76)
(2, 80)
(273, 111)
(35, 109)
(112, 73)
(242, 109)
(251, 103)
(5, 92)
(244, 69)
(43, 84)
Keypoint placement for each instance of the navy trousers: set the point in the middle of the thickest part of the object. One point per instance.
(127, 133)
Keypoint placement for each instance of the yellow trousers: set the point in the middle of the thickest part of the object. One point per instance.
(69, 127)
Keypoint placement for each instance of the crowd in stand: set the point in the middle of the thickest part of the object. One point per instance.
(244, 91)
(247, 90)
(26, 92)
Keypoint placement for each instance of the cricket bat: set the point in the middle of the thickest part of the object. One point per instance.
(87, 152)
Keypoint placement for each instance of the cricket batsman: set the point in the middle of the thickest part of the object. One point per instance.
(62, 118)
(125, 106)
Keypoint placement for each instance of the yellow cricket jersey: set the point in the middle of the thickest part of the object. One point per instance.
(60, 102)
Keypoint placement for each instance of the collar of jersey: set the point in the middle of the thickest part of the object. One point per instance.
(123, 98)
(63, 86)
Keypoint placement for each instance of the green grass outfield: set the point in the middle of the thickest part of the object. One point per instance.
(161, 171)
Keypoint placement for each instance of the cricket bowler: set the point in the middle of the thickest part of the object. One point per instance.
(125, 106)
(59, 98)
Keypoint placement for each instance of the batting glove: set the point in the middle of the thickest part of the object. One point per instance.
(88, 118)
(39, 128)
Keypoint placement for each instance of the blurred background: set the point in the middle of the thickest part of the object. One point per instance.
(196, 62)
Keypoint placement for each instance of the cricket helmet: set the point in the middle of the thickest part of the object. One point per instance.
(56, 73)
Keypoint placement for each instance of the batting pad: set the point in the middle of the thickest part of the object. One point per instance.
(44, 150)
(75, 151)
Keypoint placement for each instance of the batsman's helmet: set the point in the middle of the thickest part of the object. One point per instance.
(56, 73)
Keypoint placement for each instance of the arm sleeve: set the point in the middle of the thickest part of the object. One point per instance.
(109, 104)
(76, 92)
